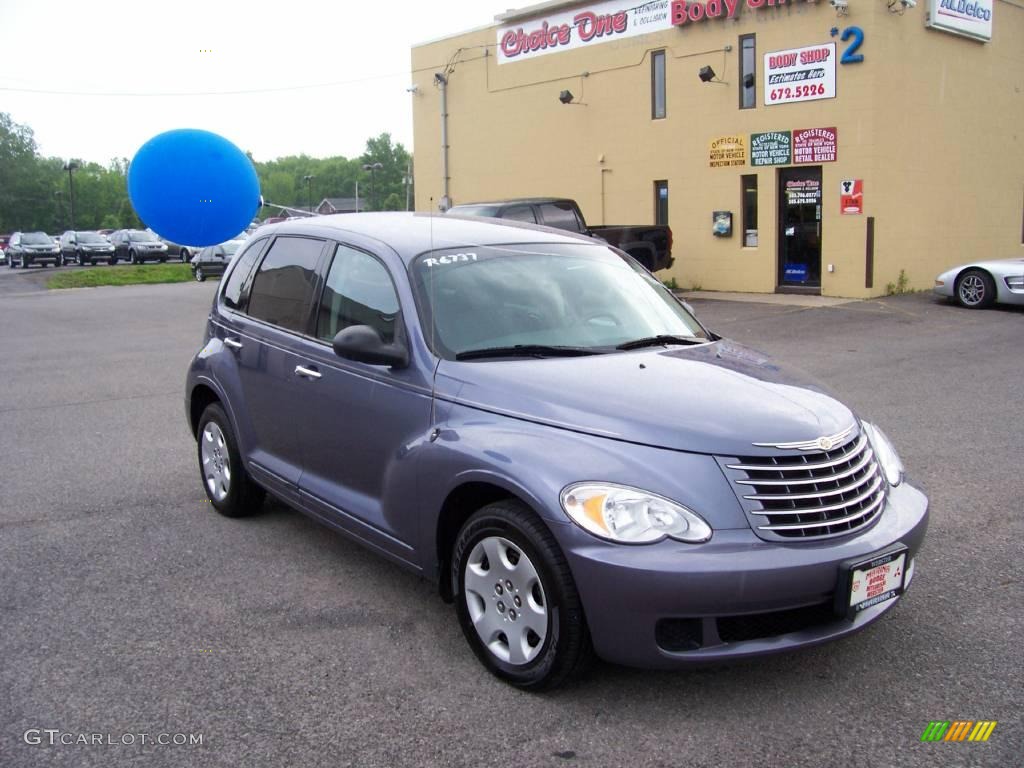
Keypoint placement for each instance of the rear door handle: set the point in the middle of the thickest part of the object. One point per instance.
(309, 373)
(233, 343)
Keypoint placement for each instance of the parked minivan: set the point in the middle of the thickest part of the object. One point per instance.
(530, 419)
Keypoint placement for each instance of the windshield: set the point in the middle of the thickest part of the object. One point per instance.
(90, 237)
(552, 295)
(36, 238)
(140, 237)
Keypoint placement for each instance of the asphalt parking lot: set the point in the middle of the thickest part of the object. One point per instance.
(127, 606)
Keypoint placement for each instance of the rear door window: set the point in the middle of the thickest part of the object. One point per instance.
(561, 214)
(282, 291)
(520, 213)
(359, 291)
(236, 291)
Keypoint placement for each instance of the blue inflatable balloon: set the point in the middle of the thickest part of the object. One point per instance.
(193, 187)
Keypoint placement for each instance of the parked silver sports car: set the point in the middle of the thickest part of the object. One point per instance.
(982, 283)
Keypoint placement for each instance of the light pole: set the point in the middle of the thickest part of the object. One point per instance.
(373, 168)
(60, 207)
(309, 184)
(70, 166)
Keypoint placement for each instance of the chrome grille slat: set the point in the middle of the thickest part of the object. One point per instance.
(811, 495)
(865, 458)
(861, 513)
(818, 510)
(820, 465)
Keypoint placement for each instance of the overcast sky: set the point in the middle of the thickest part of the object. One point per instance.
(142, 51)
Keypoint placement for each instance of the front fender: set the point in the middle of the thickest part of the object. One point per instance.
(535, 463)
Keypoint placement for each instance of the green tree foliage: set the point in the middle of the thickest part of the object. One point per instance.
(35, 192)
(283, 180)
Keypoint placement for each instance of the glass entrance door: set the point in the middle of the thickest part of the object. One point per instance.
(800, 227)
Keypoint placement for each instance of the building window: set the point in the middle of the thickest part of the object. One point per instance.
(748, 72)
(749, 190)
(661, 203)
(657, 85)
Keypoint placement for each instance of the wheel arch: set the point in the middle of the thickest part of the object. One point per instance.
(461, 502)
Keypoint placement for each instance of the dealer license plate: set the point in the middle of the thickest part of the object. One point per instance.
(877, 580)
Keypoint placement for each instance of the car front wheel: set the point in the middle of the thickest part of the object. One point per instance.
(975, 289)
(225, 480)
(516, 599)
(200, 276)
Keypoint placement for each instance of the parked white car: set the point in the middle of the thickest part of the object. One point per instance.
(981, 284)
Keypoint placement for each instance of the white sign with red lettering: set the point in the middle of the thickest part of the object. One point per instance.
(800, 74)
(578, 27)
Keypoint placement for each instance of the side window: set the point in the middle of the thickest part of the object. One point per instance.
(562, 215)
(236, 291)
(359, 291)
(282, 290)
(520, 213)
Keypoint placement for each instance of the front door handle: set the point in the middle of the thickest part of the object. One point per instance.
(233, 343)
(309, 373)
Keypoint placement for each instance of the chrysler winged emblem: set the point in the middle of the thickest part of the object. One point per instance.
(823, 443)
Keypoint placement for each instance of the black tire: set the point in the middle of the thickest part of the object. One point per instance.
(163, 259)
(84, 261)
(184, 255)
(566, 650)
(244, 497)
(199, 274)
(132, 258)
(975, 289)
(112, 261)
(25, 264)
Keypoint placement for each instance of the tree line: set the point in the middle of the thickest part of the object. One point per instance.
(35, 191)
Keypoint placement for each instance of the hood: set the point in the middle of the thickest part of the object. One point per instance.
(717, 398)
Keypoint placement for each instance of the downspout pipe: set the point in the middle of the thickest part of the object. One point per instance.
(442, 83)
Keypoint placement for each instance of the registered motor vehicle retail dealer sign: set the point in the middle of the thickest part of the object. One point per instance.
(800, 74)
(814, 145)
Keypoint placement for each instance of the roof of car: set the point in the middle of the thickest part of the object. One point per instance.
(410, 234)
(518, 201)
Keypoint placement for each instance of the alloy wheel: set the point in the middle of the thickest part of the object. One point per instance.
(972, 290)
(506, 600)
(216, 462)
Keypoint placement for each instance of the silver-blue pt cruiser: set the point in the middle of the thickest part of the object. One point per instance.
(533, 421)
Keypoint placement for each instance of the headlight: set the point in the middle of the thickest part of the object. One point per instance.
(891, 464)
(631, 516)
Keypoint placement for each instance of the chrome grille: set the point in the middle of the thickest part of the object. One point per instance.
(812, 495)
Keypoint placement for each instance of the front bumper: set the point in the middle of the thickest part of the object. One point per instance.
(40, 258)
(720, 593)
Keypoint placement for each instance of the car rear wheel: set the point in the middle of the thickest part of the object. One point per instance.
(184, 255)
(975, 289)
(200, 275)
(516, 599)
(225, 480)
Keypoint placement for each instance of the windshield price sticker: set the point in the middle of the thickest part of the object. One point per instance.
(451, 258)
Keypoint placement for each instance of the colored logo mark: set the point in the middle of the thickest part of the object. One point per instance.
(959, 730)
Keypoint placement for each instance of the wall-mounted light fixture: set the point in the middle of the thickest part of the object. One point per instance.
(707, 75)
(842, 7)
(566, 97)
(900, 6)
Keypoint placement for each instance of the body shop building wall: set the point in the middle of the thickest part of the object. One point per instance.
(925, 126)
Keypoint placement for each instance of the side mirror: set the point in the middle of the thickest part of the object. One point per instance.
(364, 345)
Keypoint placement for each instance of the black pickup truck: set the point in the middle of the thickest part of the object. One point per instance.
(651, 245)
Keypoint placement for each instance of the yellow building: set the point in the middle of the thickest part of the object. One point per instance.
(808, 146)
